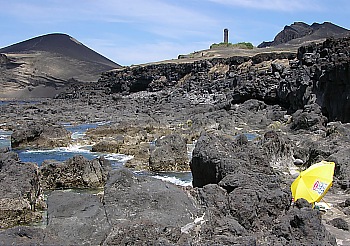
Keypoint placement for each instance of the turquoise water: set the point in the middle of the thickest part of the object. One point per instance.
(5, 138)
(251, 136)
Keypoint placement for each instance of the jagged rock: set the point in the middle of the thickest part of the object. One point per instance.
(250, 212)
(347, 202)
(76, 172)
(40, 135)
(170, 154)
(317, 76)
(255, 206)
(278, 149)
(216, 156)
(303, 226)
(339, 223)
(20, 191)
(3, 59)
(342, 160)
(304, 31)
(310, 118)
(302, 203)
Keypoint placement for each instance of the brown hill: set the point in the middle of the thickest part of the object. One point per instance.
(51, 61)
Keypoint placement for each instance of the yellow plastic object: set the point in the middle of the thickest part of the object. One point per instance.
(313, 183)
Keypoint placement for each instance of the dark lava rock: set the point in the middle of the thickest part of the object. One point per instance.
(342, 160)
(22, 235)
(339, 223)
(170, 154)
(40, 135)
(302, 227)
(318, 75)
(76, 219)
(307, 32)
(156, 210)
(310, 118)
(20, 191)
(76, 172)
(347, 202)
(216, 156)
(302, 203)
(245, 198)
(136, 210)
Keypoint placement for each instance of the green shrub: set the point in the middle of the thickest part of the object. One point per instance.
(241, 45)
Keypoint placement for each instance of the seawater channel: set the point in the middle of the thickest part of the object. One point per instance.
(78, 133)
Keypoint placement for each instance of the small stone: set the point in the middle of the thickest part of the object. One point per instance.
(298, 162)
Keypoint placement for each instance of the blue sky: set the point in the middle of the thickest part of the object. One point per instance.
(141, 31)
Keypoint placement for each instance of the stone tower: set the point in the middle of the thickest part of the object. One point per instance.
(226, 36)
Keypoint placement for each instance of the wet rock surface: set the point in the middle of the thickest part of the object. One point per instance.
(40, 135)
(76, 172)
(169, 154)
(20, 192)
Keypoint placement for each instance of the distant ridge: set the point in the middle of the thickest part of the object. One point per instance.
(52, 60)
(300, 32)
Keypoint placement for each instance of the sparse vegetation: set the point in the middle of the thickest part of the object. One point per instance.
(241, 45)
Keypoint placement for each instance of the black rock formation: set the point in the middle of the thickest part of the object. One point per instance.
(301, 32)
(246, 199)
(318, 75)
(20, 191)
(40, 135)
(170, 154)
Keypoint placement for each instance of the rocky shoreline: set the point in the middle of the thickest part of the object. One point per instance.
(294, 104)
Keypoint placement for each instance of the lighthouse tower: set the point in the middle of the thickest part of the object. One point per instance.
(226, 36)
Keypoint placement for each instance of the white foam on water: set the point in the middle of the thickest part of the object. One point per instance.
(102, 123)
(78, 135)
(69, 149)
(118, 157)
(76, 148)
(173, 180)
(66, 124)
